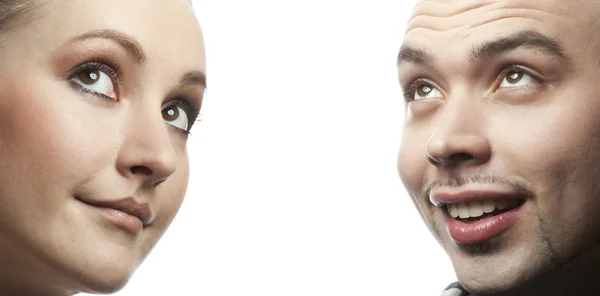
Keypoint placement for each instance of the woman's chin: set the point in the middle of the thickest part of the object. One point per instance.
(104, 277)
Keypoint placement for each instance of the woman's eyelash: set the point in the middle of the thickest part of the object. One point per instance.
(191, 107)
(98, 64)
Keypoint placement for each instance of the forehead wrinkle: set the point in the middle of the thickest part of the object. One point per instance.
(442, 17)
(442, 9)
(506, 13)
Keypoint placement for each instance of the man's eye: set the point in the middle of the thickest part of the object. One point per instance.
(426, 91)
(176, 116)
(517, 78)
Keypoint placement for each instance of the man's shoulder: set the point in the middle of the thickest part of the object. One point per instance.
(455, 289)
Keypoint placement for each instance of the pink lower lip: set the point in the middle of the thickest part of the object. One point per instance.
(121, 219)
(482, 230)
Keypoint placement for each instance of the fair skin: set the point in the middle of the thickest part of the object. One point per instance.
(96, 98)
(502, 102)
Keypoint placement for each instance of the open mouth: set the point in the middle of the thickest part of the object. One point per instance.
(476, 210)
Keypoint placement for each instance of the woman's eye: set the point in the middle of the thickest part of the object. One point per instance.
(96, 82)
(176, 116)
(426, 91)
(517, 79)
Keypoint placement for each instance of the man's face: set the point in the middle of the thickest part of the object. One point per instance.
(502, 131)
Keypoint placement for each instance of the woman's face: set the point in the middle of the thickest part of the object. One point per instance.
(96, 99)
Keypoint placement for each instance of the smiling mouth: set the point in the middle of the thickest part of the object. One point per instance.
(474, 211)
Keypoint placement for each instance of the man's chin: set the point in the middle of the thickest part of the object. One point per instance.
(483, 269)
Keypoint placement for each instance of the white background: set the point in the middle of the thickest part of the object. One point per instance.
(294, 189)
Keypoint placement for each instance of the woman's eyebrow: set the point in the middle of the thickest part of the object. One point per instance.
(194, 78)
(132, 47)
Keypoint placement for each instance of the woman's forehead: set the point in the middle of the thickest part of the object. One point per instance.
(164, 31)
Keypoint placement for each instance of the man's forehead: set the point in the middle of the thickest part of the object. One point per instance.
(470, 22)
(469, 4)
(450, 14)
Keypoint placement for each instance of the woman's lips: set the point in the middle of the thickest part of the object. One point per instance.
(125, 213)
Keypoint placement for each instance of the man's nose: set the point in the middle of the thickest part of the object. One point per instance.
(459, 138)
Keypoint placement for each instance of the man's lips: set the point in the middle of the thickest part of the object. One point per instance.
(440, 196)
(482, 229)
(475, 215)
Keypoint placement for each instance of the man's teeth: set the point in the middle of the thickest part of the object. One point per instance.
(475, 209)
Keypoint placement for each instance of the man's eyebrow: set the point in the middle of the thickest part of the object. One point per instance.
(414, 55)
(133, 48)
(194, 77)
(529, 39)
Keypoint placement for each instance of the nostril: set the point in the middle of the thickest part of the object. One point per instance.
(140, 169)
(459, 157)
